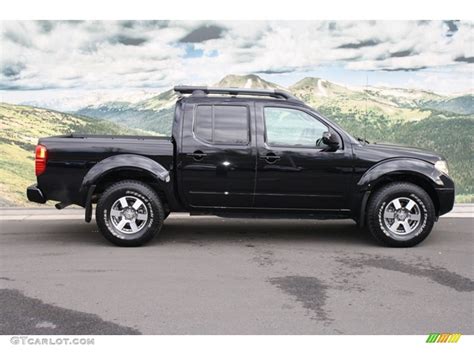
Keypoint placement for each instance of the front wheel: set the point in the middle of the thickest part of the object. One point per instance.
(400, 214)
(129, 213)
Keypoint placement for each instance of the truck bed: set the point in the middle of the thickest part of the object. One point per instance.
(71, 156)
(110, 136)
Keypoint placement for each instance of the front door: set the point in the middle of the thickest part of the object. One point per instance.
(296, 171)
(218, 155)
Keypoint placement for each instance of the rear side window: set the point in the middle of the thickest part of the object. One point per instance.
(218, 124)
(203, 123)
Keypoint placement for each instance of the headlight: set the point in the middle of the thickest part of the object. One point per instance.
(442, 165)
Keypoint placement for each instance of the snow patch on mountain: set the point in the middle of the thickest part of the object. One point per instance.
(322, 90)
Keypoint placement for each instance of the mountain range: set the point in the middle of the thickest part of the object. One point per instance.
(444, 123)
(154, 113)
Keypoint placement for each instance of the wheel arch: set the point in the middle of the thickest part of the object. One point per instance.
(417, 172)
(413, 178)
(124, 167)
(130, 173)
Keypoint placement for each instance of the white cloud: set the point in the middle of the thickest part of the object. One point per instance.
(142, 54)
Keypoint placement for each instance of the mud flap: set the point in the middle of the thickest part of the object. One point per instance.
(88, 205)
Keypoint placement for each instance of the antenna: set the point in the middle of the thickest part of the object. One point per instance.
(366, 105)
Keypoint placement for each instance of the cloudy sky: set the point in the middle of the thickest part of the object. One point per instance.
(41, 59)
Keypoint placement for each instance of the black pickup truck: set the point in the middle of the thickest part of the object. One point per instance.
(244, 153)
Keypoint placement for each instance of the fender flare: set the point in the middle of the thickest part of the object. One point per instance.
(410, 166)
(117, 163)
(392, 167)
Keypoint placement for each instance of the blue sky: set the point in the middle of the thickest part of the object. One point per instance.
(42, 60)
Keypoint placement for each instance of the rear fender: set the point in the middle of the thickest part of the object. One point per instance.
(125, 162)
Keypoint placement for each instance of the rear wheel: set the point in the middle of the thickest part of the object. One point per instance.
(400, 214)
(129, 213)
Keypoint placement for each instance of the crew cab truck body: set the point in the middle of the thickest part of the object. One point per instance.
(241, 152)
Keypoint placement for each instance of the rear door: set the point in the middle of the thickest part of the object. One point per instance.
(217, 159)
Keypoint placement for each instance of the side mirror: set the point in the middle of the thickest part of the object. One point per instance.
(330, 139)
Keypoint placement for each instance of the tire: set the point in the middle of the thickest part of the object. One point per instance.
(129, 213)
(400, 214)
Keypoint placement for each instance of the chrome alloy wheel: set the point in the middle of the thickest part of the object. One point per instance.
(402, 216)
(129, 214)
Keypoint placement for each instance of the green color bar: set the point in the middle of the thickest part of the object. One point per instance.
(432, 337)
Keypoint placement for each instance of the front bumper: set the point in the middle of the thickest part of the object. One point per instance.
(446, 194)
(446, 200)
(34, 194)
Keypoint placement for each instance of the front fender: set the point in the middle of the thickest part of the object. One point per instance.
(124, 161)
(400, 166)
(397, 166)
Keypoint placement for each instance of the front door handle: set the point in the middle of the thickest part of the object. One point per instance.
(270, 158)
(198, 155)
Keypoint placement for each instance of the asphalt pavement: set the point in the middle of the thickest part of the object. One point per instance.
(209, 275)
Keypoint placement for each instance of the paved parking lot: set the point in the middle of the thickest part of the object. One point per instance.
(233, 276)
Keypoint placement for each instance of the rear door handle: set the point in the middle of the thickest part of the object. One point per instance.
(197, 155)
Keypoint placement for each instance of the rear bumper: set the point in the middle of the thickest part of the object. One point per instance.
(34, 194)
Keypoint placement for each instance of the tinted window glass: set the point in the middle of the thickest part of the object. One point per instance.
(288, 127)
(222, 124)
(203, 123)
(231, 124)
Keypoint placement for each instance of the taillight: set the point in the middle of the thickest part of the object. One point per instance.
(41, 156)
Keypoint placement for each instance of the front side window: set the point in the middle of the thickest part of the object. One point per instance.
(219, 124)
(293, 128)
